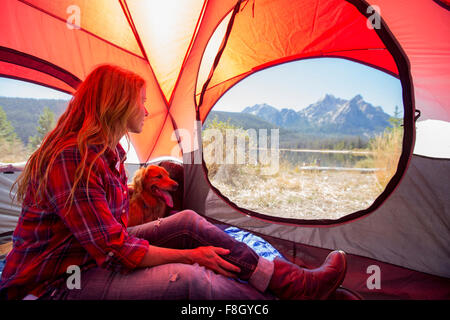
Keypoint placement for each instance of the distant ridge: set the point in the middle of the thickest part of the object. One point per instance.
(24, 113)
(329, 115)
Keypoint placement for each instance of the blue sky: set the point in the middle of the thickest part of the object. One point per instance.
(292, 85)
(22, 89)
(297, 84)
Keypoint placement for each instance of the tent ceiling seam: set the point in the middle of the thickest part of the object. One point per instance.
(203, 52)
(219, 53)
(189, 49)
(183, 64)
(129, 18)
(81, 29)
(24, 61)
(127, 14)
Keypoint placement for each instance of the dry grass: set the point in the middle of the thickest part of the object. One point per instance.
(294, 193)
(386, 149)
(5, 248)
(12, 152)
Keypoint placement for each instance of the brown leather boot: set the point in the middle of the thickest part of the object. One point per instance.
(291, 282)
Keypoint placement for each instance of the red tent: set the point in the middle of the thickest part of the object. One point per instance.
(191, 52)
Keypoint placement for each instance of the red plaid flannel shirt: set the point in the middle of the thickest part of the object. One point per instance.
(48, 239)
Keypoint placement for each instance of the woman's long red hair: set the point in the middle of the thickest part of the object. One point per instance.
(97, 114)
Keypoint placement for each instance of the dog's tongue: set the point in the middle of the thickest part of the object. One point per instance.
(166, 196)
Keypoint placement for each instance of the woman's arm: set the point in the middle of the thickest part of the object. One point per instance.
(89, 218)
(208, 257)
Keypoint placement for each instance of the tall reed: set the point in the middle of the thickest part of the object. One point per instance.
(386, 149)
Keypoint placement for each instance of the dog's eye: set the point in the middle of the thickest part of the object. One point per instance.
(159, 176)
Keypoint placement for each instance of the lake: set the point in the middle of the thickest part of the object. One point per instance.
(323, 158)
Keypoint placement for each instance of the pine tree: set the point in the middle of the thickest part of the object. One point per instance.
(396, 120)
(46, 124)
(11, 147)
(7, 132)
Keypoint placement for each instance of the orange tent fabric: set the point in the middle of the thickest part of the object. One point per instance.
(173, 45)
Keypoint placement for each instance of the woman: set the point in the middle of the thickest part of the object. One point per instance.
(75, 211)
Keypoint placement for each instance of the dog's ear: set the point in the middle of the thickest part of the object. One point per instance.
(161, 170)
(138, 181)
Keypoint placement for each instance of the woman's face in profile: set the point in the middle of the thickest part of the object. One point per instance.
(136, 122)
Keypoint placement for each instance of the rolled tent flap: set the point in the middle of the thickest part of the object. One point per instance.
(14, 71)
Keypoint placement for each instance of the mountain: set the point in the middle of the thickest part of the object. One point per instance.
(286, 118)
(24, 113)
(265, 112)
(288, 138)
(321, 110)
(330, 115)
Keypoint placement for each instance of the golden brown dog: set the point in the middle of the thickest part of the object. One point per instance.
(150, 195)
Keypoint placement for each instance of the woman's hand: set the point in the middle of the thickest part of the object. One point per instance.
(210, 257)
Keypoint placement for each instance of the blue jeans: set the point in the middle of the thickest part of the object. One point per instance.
(183, 230)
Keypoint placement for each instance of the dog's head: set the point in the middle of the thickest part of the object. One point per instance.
(155, 180)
